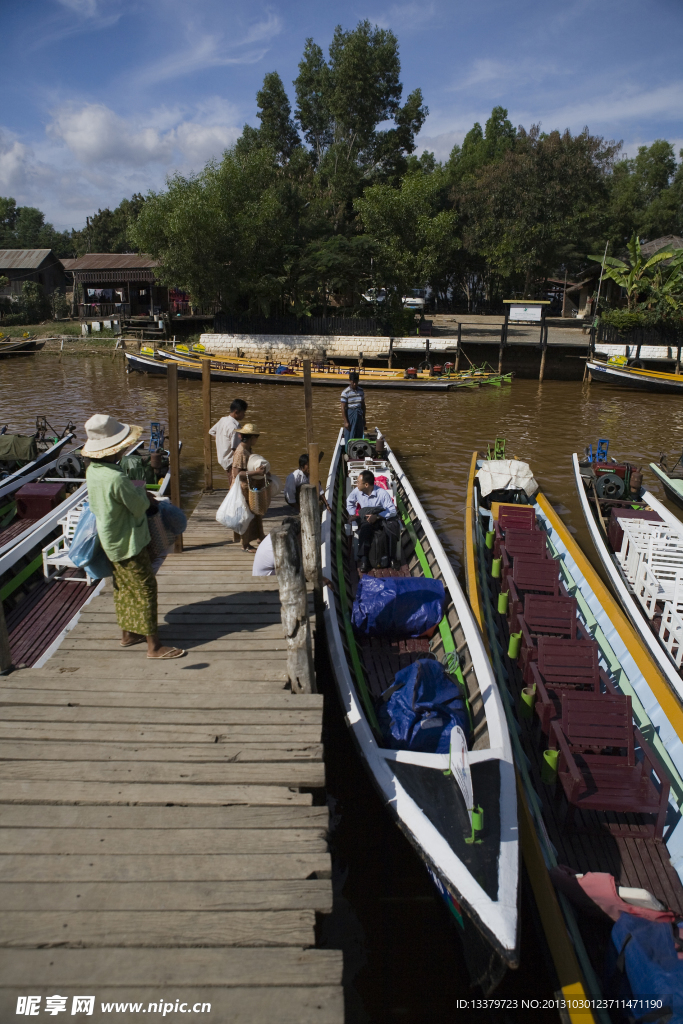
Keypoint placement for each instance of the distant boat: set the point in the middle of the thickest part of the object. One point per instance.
(636, 379)
(673, 487)
(22, 347)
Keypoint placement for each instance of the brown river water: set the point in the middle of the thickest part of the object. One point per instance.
(402, 959)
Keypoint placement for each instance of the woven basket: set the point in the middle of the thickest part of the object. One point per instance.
(259, 501)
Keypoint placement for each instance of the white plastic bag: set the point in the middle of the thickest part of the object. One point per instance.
(234, 512)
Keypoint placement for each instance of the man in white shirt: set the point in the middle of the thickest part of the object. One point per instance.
(296, 480)
(353, 408)
(366, 495)
(225, 432)
(264, 559)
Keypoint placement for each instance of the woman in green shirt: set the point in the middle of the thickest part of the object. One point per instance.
(120, 509)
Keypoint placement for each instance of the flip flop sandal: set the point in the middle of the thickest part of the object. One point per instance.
(174, 652)
(132, 643)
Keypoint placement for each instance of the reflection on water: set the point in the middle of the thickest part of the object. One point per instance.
(402, 960)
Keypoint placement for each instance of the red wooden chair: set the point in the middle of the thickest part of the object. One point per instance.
(515, 517)
(562, 665)
(530, 576)
(597, 766)
(521, 544)
(545, 616)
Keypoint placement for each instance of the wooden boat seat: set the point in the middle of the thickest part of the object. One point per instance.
(598, 767)
(545, 616)
(562, 665)
(514, 517)
(530, 576)
(521, 543)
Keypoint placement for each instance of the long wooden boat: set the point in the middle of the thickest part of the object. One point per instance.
(21, 347)
(39, 612)
(44, 462)
(673, 486)
(603, 516)
(613, 842)
(636, 379)
(266, 372)
(478, 881)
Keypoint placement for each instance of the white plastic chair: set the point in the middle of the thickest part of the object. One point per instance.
(56, 553)
(671, 633)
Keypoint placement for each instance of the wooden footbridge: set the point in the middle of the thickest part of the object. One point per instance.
(163, 824)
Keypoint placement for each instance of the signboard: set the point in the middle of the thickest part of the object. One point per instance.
(526, 311)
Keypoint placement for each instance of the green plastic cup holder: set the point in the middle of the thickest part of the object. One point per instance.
(503, 599)
(490, 537)
(549, 768)
(526, 707)
(496, 568)
(514, 645)
(477, 824)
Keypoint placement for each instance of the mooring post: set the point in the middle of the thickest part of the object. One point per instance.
(544, 350)
(5, 653)
(174, 442)
(308, 400)
(311, 544)
(391, 353)
(500, 348)
(457, 353)
(678, 360)
(296, 626)
(206, 407)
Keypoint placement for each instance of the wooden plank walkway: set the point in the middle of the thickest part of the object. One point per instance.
(162, 828)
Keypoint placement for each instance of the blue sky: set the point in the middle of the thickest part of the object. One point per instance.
(103, 98)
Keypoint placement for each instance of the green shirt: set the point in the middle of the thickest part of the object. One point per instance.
(119, 508)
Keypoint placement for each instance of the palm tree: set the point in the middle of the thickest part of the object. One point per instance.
(634, 276)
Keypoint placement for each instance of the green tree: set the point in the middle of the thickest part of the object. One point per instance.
(24, 227)
(646, 195)
(109, 230)
(635, 274)
(481, 148)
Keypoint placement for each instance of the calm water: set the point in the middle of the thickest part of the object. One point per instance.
(402, 960)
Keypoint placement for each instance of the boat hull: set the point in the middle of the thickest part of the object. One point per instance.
(671, 487)
(636, 380)
(187, 371)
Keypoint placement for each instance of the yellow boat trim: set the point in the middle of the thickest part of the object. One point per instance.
(659, 374)
(242, 366)
(637, 649)
(552, 920)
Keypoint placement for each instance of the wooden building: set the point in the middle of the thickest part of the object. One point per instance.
(38, 265)
(116, 284)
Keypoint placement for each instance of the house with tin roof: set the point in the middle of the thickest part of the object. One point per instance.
(38, 265)
(116, 284)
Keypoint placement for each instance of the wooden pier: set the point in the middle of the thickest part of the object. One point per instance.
(163, 824)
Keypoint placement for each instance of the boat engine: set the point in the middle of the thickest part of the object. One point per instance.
(609, 485)
(70, 466)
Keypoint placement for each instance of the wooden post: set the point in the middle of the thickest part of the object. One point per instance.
(310, 545)
(308, 400)
(174, 442)
(544, 350)
(294, 607)
(206, 407)
(5, 653)
(678, 360)
(391, 353)
(500, 348)
(457, 354)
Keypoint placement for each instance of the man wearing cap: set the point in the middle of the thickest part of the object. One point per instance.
(120, 510)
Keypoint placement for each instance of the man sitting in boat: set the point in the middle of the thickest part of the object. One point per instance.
(381, 515)
(225, 432)
(296, 480)
(353, 408)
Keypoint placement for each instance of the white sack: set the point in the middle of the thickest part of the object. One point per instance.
(506, 474)
(257, 464)
(234, 512)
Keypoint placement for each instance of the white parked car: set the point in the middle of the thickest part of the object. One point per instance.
(375, 295)
(415, 299)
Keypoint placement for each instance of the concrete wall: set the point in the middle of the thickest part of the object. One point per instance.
(286, 346)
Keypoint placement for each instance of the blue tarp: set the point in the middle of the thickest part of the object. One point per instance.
(86, 551)
(398, 606)
(651, 964)
(423, 709)
(173, 518)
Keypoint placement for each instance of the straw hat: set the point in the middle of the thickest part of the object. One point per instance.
(107, 436)
(248, 428)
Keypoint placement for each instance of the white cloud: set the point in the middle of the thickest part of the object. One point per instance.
(87, 8)
(95, 134)
(14, 160)
(400, 17)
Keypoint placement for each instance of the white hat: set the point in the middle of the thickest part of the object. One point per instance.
(107, 436)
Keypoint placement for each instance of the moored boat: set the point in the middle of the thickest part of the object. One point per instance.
(21, 347)
(567, 659)
(670, 480)
(635, 378)
(476, 872)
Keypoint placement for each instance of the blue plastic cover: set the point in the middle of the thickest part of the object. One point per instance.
(173, 518)
(398, 606)
(652, 965)
(85, 551)
(423, 708)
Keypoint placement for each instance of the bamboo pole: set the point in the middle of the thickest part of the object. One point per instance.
(308, 401)
(5, 653)
(174, 442)
(294, 607)
(206, 408)
(311, 543)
